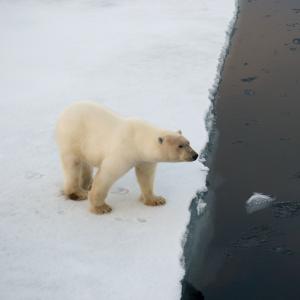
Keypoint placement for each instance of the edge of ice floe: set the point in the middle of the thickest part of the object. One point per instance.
(198, 206)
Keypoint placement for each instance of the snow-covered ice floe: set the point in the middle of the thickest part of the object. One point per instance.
(152, 59)
(258, 202)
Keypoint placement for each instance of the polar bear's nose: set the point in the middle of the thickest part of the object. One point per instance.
(195, 156)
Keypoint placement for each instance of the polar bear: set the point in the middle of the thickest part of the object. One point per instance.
(89, 135)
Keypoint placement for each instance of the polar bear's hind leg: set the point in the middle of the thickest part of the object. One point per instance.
(72, 171)
(86, 176)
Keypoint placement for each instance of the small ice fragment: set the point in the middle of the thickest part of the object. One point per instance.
(257, 202)
(204, 168)
(249, 92)
(201, 206)
(296, 41)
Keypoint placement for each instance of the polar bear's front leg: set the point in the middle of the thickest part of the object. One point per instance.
(145, 175)
(108, 173)
(98, 194)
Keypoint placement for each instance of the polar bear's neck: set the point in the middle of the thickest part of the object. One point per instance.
(146, 141)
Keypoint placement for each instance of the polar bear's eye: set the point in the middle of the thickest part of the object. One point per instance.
(160, 140)
(180, 146)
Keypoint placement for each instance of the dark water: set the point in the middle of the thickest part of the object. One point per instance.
(231, 254)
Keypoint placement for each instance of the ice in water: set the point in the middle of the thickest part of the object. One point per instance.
(258, 202)
(201, 207)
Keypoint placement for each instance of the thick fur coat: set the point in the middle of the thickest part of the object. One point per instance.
(90, 135)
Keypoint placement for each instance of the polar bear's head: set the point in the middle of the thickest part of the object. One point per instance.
(174, 147)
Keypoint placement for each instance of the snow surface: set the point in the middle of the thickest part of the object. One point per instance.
(152, 59)
(258, 202)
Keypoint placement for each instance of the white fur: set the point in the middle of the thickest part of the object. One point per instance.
(90, 135)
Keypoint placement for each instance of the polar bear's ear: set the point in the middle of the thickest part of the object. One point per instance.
(179, 131)
(160, 140)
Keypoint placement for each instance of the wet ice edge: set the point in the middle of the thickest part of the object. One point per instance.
(198, 206)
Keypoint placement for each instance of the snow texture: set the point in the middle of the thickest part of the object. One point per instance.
(258, 202)
(152, 59)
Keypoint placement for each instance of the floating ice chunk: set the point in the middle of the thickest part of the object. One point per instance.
(257, 202)
(201, 206)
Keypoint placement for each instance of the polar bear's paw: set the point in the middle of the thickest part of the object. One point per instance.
(77, 196)
(100, 210)
(155, 201)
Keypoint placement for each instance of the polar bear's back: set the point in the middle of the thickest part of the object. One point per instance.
(84, 126)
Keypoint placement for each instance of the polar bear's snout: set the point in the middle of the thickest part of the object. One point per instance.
(192, 155)
(195, 156)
